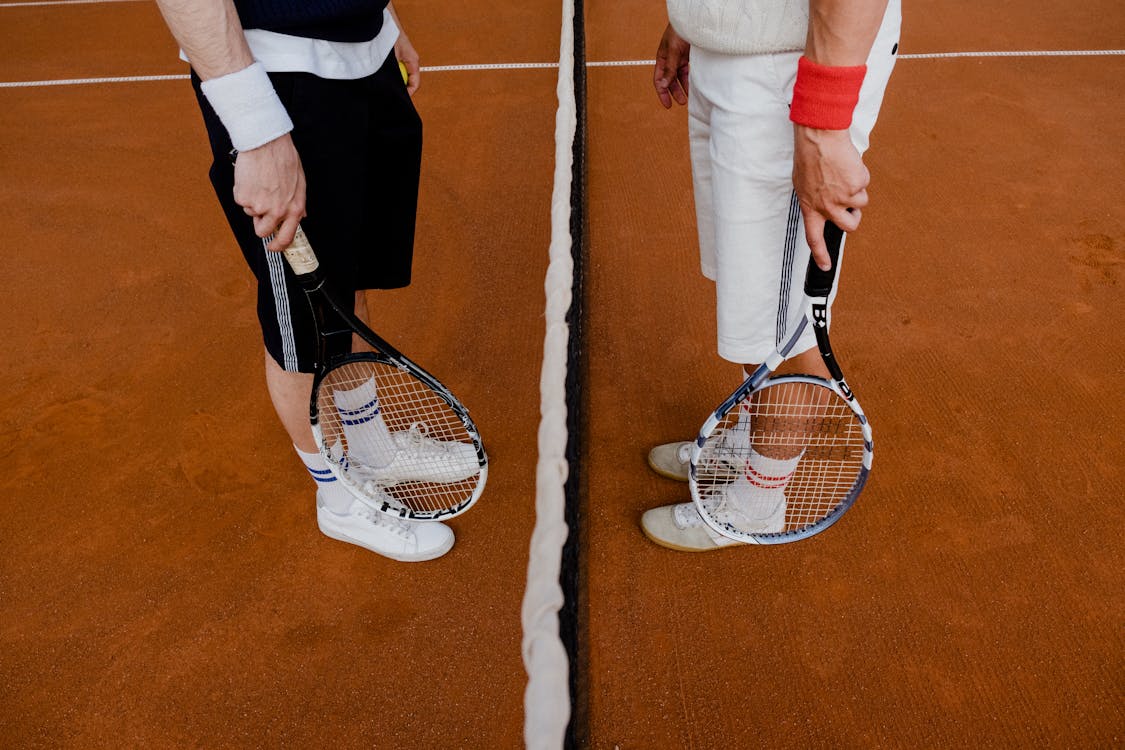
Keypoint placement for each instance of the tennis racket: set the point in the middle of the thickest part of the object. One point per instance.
(782, 458)
(389, 431)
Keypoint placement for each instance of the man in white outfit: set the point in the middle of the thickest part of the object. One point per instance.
(782, 96)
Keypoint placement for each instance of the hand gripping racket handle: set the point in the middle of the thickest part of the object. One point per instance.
(818, 283)
(301, 257)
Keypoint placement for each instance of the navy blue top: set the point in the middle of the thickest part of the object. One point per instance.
(333, 20)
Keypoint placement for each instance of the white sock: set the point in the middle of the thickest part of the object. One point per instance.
(369, 441)
(743, 422)
(336, 497)
(768, 473)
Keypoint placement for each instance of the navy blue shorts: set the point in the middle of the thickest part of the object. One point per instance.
(360, 143)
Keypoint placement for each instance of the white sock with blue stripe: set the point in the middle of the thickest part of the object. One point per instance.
(336, 497)
(369, 441)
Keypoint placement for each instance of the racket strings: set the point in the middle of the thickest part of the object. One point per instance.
(786, 458)
(394, 441)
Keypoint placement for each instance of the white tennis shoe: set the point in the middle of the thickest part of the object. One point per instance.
(398, 539)
(673, 460)
(747, 508)
(421, 458)
(680, 527)
(739, 504)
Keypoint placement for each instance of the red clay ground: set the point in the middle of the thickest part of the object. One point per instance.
(163, 582)
(973, 596)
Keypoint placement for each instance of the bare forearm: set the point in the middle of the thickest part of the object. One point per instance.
(394, 15)
(841, 32)
(210, 34)
(269, 182)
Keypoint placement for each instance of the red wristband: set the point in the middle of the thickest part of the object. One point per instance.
(824, 97)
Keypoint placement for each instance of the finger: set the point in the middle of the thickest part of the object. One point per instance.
(859, 200)
(284, 234)
(678, 92)
(846, 218)
(242, 199)
(660, 79)
(661, 86)
(814, 233)
(682, 77)
(266, 224)
(414, 76)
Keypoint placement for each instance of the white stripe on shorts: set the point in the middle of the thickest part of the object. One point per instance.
(750, 229)
(281, 307)
(791, 228)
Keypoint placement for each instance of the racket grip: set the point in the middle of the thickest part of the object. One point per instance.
(818, 283)
(300, 255)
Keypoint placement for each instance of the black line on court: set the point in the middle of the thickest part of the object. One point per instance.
(572, 616)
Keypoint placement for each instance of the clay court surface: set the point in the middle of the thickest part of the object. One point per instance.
(163, 583)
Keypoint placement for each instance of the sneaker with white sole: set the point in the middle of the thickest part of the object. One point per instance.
(671, 460)
(747, 507)
(421, 458)
(398, 539)
(680, 527)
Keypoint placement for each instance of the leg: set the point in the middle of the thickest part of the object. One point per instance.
(358, 344)
(783, 410)
(290, 391)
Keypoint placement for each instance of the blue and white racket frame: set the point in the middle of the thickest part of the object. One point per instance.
(818, 287)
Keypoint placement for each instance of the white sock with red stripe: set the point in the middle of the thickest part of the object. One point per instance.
(335, 496)
(369, 440)
(755, 502)
(767, 473)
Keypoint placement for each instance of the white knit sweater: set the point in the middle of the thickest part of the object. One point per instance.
(741, 27)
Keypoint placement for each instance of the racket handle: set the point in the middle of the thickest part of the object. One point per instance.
(818, 283)
(300, 254)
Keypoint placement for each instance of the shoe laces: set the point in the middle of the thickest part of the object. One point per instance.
(418, 437)
(686, 515)
(398, 526)
(421, 442)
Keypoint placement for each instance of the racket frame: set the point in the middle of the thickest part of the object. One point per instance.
(307, 271)
(818, 287)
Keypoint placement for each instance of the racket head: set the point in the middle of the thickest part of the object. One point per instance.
(396, 438)
(746, 498)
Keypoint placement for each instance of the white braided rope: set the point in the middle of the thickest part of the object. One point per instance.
(547, 697)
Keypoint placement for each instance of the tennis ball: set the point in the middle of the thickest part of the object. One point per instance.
(402, 69)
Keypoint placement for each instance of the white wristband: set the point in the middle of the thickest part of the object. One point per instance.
(248, 107)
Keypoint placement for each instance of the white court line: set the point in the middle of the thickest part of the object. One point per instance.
(1042, 53)
(926, 56)
(64, 2)
(545, 65)
(184, 76)
(487, 66)
(84, 81)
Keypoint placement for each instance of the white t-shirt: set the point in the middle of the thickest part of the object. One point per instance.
(282, 53)
(741, 27)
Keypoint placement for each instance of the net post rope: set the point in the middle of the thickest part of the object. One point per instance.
(547, 696)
